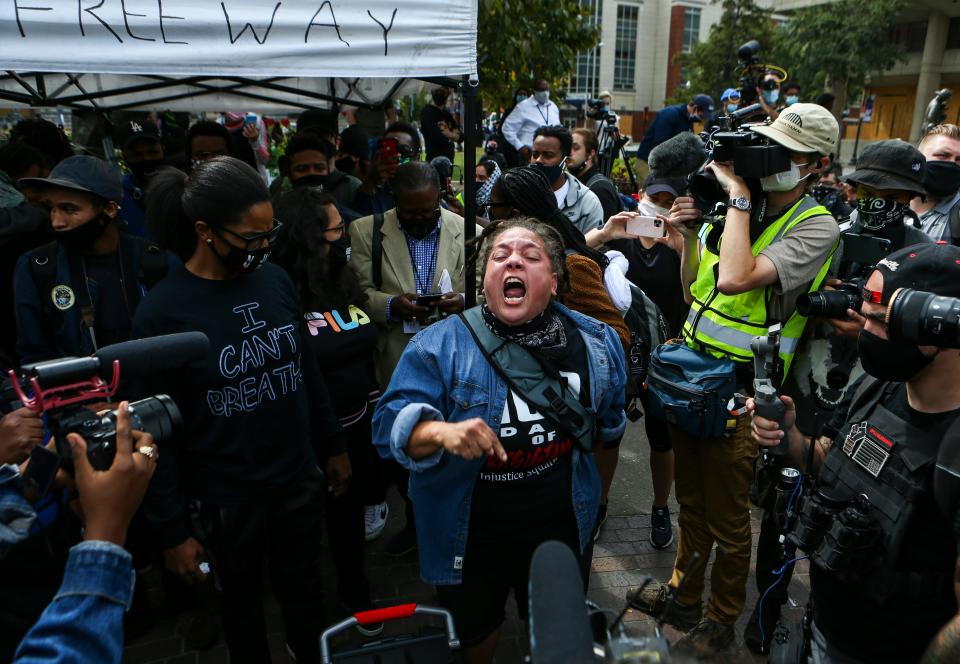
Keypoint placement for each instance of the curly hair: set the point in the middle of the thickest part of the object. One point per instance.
(527, 190)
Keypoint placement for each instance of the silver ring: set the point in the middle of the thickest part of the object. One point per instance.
(147, 451)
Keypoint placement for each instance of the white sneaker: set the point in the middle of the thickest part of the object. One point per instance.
(374, 520)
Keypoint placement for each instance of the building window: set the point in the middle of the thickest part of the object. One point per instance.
(691, 28)
(586, 71)
(910, 36)
(953, 33)
(625, 59)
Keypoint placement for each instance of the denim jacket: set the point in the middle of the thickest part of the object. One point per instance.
(84, 622)
(442, 375)
(17, 516)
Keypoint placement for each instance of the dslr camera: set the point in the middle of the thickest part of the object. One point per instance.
(832, 303)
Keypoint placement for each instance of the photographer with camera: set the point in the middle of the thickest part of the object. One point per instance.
(772, 248)
(888, 175)
(880, 523)
(768, 94)
(84, 622)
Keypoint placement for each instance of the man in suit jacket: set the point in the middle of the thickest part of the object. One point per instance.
(422, 252)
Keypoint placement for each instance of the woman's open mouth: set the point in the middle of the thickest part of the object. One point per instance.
(514, 290)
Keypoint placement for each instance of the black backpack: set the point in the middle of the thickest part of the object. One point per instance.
(648, 329)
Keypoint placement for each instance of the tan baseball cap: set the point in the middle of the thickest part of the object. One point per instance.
(803, 128)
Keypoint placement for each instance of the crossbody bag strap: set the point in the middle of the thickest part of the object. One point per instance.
(562, 402)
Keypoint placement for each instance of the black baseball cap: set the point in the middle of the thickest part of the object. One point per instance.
(892, 164)
(83, 173)
(354, 142)
(933, 267)
(654, 185)
(703, 102)
(133, 130)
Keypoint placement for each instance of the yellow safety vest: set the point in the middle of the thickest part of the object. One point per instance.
(724, 325)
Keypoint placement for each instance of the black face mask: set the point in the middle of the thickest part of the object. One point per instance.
(146, 169)
(84, 235)
(418, 228)
(312, 180)
(883, 359)
(346, 165)
(439, 98)
(875, 213)
(942, 178)
(339, 253)
(242, 260)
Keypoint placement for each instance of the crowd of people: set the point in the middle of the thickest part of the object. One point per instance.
(344, 360)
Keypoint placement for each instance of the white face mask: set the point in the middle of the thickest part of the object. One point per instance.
(783, 181)
(648, 208)
(542, 96)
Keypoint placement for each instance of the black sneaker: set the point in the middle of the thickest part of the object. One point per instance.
(661, 530)
(401, 544)
(601, 519)
(370, 629)
(752, 637)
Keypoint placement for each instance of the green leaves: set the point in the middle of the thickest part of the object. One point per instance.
(519, 41)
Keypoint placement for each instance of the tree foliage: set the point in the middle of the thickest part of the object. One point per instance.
(838, 44)
(711, 65)
(519, 41)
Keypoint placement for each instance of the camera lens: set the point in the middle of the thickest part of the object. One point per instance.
(158, 416)
(827, 304)
(925, 319)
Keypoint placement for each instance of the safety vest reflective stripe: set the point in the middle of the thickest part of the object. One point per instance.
(737, 339)
(725, 325)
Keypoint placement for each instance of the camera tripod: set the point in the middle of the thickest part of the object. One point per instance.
(611, 145)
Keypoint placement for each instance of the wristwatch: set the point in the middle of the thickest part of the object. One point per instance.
(741, 203)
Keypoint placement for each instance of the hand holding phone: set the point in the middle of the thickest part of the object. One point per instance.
(646, 227)
(428, 299)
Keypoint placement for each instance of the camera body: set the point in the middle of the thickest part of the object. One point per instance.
(597, 110)
(158, 416)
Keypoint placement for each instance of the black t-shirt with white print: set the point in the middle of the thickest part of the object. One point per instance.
(529, 496)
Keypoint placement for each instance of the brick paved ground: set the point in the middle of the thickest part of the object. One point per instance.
(622, 558)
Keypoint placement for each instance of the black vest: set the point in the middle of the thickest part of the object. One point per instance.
(878, 482)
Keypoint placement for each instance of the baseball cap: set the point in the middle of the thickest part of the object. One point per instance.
(730, 92)
(803, 128)
(892, 164)
(133, 130)
(931, 267)
(654, 185)
(354, 142)
(703, 102)
(83, 173)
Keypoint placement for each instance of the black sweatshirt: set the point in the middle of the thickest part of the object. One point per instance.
(248, 408)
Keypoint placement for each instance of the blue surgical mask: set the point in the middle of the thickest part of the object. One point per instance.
(791, 100)
(732, 107)
(771, 96)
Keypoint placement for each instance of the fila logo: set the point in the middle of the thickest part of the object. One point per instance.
(793, 118)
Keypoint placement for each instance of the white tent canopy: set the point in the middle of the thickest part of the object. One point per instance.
(205, 54)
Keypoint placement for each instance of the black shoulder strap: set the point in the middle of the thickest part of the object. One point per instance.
(376, 250)
(954, 223)
(563, 409)
(153, 263)
(43, 270)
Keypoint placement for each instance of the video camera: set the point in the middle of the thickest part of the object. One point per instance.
(60, 388)
(752, 72)
(598, 110)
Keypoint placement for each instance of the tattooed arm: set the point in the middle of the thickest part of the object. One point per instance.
(945, 646)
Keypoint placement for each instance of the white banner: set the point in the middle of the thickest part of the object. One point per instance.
(346, 38)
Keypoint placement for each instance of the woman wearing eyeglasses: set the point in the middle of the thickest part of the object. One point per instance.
(313, 248)
(241, 485)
